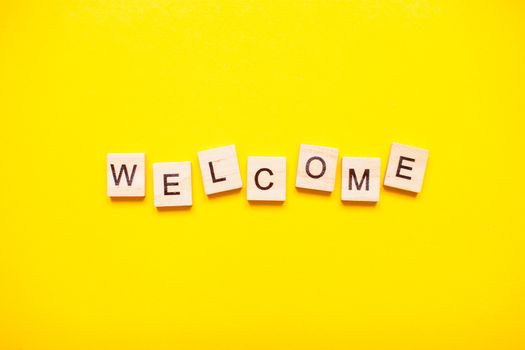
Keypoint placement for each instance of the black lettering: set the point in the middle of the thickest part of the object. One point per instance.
(308, 167)
(267, 187)
(365, 179)
(213, 179)
(166, 184)
(401, 166)
(123, 169)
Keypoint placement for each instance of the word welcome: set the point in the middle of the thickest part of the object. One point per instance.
(266, 179)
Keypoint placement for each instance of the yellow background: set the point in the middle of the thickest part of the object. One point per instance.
(443, 270)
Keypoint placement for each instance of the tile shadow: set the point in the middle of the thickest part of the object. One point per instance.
(224, 194)
(400, 191)
(314, 192)
(359, 204)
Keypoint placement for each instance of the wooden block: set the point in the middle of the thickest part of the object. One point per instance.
(360, 179)
(316, 168)
(220, 169)
(172, 184)
(126, 174)
(266, 179)
(406, 167)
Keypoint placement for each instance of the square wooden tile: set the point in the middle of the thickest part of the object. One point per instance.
(126, 174)
(266, 179)
(406, 167)
(172, 184)
(316, 168)
(220, 169)
(360, 179)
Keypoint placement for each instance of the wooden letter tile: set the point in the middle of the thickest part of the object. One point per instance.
(126, 174)
(406, 167)
(316, 168)
(172, 184)
(266, 179)
(360, 179)
(220, 169)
